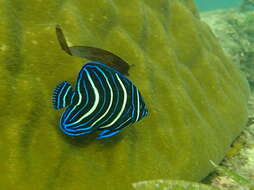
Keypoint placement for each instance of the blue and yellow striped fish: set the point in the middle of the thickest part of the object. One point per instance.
(103, 99)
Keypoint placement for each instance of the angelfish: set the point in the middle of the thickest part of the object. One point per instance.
(103, 100)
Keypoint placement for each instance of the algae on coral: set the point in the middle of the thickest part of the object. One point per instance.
(171, 185)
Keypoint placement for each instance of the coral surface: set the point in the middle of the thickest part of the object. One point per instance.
(196, 97)
(235, 31)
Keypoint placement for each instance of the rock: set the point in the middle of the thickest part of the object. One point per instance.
(234, 29)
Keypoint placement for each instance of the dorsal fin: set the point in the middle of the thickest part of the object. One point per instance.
(93, 53)
(62, 95)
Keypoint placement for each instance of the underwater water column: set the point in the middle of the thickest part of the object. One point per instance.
(206, 5)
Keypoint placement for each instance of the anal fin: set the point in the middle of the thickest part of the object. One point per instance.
(107, 133)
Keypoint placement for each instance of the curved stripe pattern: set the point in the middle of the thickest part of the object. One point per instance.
(104, 99)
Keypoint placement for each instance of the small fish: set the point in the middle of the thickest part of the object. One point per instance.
(92, 53)
(103, 100)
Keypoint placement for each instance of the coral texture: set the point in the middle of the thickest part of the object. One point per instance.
(197, 98)
(235, 31)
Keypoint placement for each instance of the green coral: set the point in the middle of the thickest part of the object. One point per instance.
(235, 30)
(236, 172)
(171, 185)
(197, 98)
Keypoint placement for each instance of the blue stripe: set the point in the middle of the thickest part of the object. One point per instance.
(74, 123)
(58, 96)
(78, 84)
(133, 104)
(86, 98)
(116, 103)
(102, 106)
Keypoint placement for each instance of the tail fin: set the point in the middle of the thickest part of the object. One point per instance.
(62, 95)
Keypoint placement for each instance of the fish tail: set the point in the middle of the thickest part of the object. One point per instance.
(62, 95)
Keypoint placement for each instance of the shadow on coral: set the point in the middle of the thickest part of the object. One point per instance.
(85, 140)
